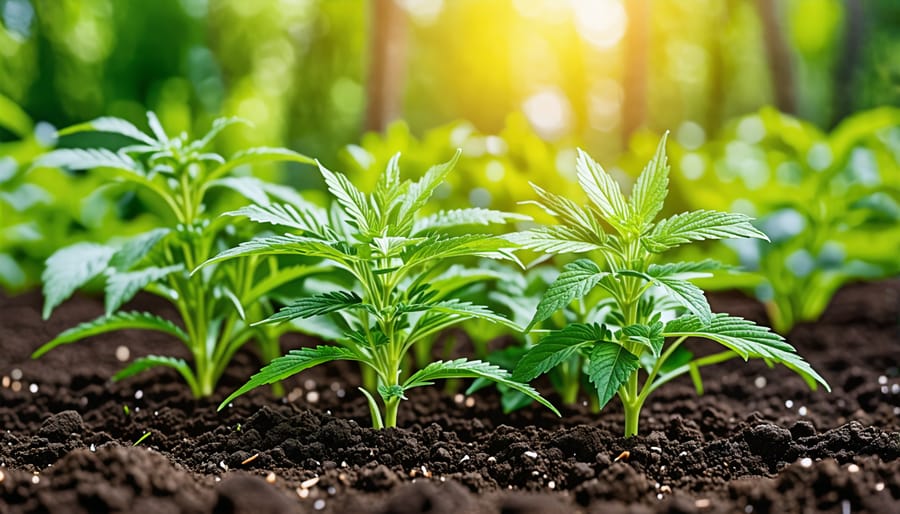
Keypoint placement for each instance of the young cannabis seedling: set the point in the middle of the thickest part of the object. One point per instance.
(627, 240)
(178, 174)
(404, 288)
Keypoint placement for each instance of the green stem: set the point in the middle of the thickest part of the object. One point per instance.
(390, 412)
(632, 415)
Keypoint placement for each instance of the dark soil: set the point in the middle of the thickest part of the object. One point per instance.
(758, 441)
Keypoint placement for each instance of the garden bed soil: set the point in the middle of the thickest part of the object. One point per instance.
(758, 441)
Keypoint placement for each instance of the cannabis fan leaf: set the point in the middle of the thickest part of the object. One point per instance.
(403, 291)
(623, 239)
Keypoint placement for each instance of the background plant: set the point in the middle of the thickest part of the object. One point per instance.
(403, 289)
(828, 201)
(175, 176)
(627, 240)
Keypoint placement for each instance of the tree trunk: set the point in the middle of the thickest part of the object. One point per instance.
(854, 40)
(779, 57)
(387, 64)
(637, 50)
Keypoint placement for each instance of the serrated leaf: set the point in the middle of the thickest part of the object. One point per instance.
(307, 218)
(747, 339)
(609, 368)
(462, 368)
(288, 365)
(113, 126)
(577, 220)
(462, 217)
(287, 244)
(439, 247)
(117, 321)
(648, 335)
(602, 190)
(317, 305)
(156, 127)
(686, 270)
(137, 248)
(553, 240)
(697, 226)
(685, 293)
(556, 347)
(352, 200)
(258, 155)
(121, 287)
(651, 188)
(142, 364)
(87, 159)
(577, 279)
(419, 192)
(70, 268)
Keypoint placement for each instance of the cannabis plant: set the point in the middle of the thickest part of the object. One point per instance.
(626, 242)
(404, 289)
(179, 175)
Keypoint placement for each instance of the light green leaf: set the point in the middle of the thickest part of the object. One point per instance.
(462, 217)
(747, 339)
(142, 364)
(577, 279)
(609, 368)
(650, 190)
(556, 347)
(136, 248)
(317, 305)
(602, 190)
(111, 125)
(352, 200)
(648, 335)
(258, 155)
(462, 368)
(287, 244)
(70, 268)
(291, 364)
(88, 159)
(307, 218)
(117, 321)
(121, 287)
(553, 240)
(685, 293)
(419, 192)
(697, 226)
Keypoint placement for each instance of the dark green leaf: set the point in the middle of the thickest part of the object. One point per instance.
(609, 368)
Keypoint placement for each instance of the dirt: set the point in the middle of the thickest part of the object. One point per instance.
(758, 441)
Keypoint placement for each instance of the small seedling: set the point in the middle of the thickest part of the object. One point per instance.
(627, 241)
(178, 174)
(403, 288)
(142, 439)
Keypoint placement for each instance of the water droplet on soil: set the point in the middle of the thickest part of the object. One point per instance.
(319, 504)
(789, 404)
(806, 462)
(138, 394)
(33, 388)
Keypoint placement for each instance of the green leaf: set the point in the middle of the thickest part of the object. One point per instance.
(88, 159)
(251, 188)
(747, 339)
(351, 199)
(112, 126)
(136, 248)
(287, 244)
(650, 190)
(70, 268)
(697, 226)
(558, 346)
(316, 306)
(121, 287)
(602, 190)
(462, 368)
(580, 222)
(553, 240)
(142, 364)
(288, 365)
(117, 321)
(647, 335)
(156, 127)
(577, 279)
(419, 192)
(14, 118)
(686, 270)
(440, 247)
(462, 217)
(609, 368)
(258, 155)
(308, 219)
(218, 125)
(683, 292)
